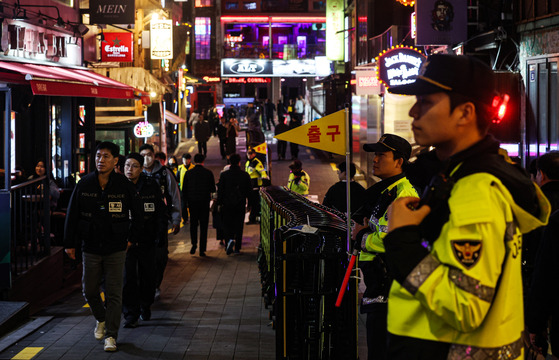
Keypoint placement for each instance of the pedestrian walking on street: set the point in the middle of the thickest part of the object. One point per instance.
(232, 133)
(171, 197)
(281, 127)
(456, 255)
(104, 215)
(199, 185)
(202, 134)
(233, 190)
(222, 136)
(269, 110)
(139, 270)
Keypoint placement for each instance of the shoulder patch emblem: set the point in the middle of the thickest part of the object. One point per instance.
(467, 252)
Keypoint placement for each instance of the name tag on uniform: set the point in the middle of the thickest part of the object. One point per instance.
(149, 207)
(115, 206)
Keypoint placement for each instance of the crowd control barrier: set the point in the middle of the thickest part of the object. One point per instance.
(302, 259)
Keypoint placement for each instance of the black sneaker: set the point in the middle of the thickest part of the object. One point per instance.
(230, 246)
(193, 249)
(146, 315)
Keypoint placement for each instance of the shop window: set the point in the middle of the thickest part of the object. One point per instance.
(319, 5)
(231, 5)
(204, 3)
(202, 32)
(249, 5)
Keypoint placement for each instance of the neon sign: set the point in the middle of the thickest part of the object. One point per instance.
(231, 38)
(399, 65)
(211, 78)
(143, 129)
(250, 80)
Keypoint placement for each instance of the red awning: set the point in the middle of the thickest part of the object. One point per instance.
(175, 119)
(60, 81)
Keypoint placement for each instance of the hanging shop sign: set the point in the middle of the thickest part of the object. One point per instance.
(275, 68)
(399, 65)
(366, 83)
(117, 47)
(161, 39)
(111, 11)
(335, 30)
(441, 22)
(143, 129)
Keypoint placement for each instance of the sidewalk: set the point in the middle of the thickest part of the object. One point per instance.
(210, 308)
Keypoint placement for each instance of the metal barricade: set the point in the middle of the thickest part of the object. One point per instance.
(301, 272)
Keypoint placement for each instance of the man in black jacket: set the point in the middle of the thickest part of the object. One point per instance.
(233, 190)
(199, 184)
(104, 214)
(139, 269)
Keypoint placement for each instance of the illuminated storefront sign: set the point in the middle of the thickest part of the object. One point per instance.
(413, 23)
(399, 65)
(117, 47)
(111, 11)
(232, 38)
(211, 79)
(366, 83)
(161, 39)
(143, 129)
(242, 80)
(276, 68)
(334, 30)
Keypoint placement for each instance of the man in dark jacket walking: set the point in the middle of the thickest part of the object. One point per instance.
(202, 133)
(232, 192)
(199, 184)
(139, 269)
(104, 215)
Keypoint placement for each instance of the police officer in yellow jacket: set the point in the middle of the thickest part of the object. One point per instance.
(257, 172)
(181, 171)
(298, 181)
(455, 255)
(392, 153)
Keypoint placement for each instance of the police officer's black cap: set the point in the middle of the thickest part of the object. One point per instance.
(296, 165)
(390, 142)
(462, 74)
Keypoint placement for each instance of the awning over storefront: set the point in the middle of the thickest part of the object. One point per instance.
(60, 81)
(137, 77)
(111, 120)
(175, 119)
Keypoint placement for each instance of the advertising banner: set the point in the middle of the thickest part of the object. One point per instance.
(399, 66)
(161, 39)
(334, 30)
(275, 68)
(441, 22)
(112, 11)
(117, 47)
(366, 82)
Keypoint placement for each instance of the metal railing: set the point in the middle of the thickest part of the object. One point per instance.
(30, 224)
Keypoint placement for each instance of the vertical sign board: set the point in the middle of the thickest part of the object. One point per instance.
(334, 30)
(112, 12)
(5, 238)
(441, 22)
(161, 39)
(117, 47)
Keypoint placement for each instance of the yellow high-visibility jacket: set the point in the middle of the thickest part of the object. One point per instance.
(255, 169)
(302, 187)
(181, 171)
(467, 290)
(371, 243)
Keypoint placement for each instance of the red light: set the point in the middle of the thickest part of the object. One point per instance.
(501, 104)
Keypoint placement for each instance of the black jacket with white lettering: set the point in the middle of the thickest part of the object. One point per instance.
(154, 211)
(103, 221)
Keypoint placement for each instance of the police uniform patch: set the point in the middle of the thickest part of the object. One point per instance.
(149, 207)
(115, 206)
(467, 252)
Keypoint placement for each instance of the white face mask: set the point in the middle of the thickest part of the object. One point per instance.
(148, 161)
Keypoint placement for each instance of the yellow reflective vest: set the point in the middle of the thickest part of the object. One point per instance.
(372, 242)
(302, 187)
(468, 290)
(255, 169)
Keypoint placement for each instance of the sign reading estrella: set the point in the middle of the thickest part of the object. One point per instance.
(399, 65)
(117, 47)
(143, 129)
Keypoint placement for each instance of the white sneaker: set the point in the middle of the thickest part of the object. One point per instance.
(110, 344)
(99, 330)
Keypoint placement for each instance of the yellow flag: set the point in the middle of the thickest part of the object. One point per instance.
(261, 149)
(326, 133)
